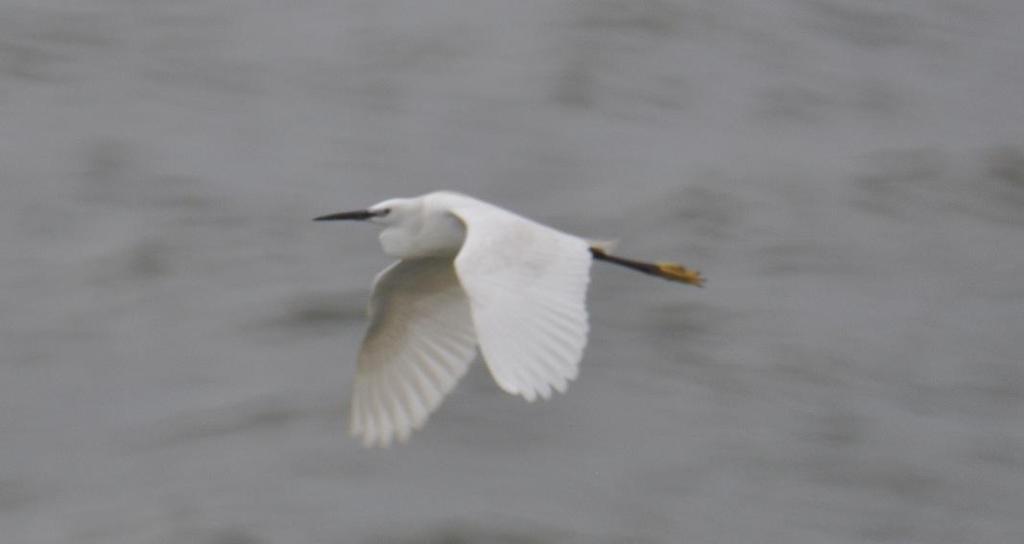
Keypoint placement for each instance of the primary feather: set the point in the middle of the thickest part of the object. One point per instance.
(527, 286)
(419, 344)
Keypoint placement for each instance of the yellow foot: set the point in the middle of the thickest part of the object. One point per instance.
(678, 272)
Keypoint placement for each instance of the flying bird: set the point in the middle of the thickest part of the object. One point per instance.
(471, 275)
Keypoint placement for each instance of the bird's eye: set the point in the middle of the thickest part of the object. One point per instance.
(384, 212)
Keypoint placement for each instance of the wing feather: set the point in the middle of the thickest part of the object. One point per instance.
(419, 344)
(526, 284)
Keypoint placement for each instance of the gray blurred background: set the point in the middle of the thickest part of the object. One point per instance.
(177, 338)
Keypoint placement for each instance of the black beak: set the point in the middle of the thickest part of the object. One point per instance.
(358, 215)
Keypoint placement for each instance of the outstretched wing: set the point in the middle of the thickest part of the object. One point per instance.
(527, 286)
(420, 342)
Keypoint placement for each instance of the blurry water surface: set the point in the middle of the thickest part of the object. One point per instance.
(177, 338)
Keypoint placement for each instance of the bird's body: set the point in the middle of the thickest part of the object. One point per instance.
(470, 275)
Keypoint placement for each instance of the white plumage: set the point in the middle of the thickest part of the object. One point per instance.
(470, 275)
(420, 342)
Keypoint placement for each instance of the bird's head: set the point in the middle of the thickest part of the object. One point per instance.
(412, 227)
(395, 211)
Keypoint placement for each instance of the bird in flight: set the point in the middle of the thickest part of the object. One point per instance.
(471, 275)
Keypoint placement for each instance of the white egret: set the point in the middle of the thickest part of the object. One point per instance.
(470, 274)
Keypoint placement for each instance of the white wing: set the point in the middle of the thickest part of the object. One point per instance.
(527, 286)
(420, 342)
